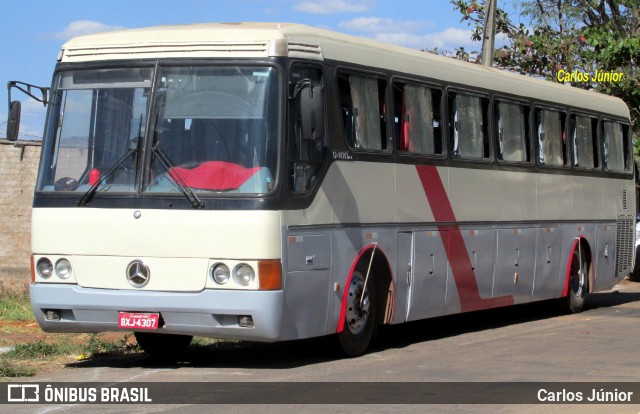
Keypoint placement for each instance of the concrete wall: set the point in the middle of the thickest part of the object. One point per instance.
(18, 170)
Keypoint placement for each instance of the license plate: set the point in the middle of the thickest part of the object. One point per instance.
(127, 320)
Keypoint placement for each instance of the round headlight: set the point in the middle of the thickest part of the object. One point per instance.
(45, 268)
(244, 274)
(220, 273)
(63, 268)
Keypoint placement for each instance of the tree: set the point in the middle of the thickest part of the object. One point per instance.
(570, 35)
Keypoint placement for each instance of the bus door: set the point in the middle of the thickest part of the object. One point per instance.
(423, 255)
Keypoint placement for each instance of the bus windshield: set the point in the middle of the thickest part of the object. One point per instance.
(213, 130)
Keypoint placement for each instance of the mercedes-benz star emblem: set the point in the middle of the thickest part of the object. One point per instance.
(138, 273)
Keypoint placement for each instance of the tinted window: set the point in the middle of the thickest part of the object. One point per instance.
(551, 137)
(468, 121)
(306, 155)
(585, 141)
(512, 132)
(417, 119)
(616, 146)
(362, 100)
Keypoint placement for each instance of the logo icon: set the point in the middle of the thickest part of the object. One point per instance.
(23, 393)
(138, 274)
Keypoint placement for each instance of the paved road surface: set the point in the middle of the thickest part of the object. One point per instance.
(529, 343)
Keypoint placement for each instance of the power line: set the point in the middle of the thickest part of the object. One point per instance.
(29, 135)
(23, 135)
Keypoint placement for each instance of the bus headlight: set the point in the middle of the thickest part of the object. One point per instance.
(220, 273)
(244, 274)
(44, 268)
(63, 268)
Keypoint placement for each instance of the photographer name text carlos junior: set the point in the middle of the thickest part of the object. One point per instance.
(598, 76)
(596, 395)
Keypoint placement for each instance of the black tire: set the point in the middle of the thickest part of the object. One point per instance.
(635, 274)
(163, 346)
(360, 320)
(578, 282)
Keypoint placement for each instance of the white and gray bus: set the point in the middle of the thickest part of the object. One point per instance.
(270, 182)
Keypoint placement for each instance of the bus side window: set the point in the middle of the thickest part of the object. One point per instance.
(468, 122)
(616, 146)
(584, 141)
(551, 137)
(417, 119)
(362, 101)
(512, 132)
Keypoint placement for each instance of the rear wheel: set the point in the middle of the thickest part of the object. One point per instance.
(578, 282)
(360, 316)
(163, 346)
(635, 274)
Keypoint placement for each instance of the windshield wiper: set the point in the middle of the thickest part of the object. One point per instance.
(84, 201)
(168, 165)
(176, 178)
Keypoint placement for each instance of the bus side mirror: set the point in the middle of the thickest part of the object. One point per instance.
(311, 110)
(13, 123)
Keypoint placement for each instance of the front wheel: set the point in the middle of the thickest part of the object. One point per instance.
(163, 346)
(360, 316)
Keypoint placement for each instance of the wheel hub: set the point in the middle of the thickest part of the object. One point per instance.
(357, 306)
(579, 283)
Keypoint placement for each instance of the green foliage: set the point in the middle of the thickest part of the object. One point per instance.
(63, 346)
(15, 306)
(571, 35)
(97, 346)
(9, 370)
(20, 360)
(36, 350)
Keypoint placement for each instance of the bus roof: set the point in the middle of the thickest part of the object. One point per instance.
(256, 40)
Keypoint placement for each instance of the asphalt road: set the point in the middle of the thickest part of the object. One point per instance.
(529, 343)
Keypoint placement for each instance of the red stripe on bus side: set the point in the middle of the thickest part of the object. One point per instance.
(456, 250)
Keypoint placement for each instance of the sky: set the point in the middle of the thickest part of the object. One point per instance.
(33, 31)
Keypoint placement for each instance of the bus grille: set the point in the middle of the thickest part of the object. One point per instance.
(625, 241)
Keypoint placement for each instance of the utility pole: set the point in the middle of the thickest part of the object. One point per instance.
(489, 35)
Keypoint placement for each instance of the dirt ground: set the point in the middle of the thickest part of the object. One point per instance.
(20, 332)
(13, 333)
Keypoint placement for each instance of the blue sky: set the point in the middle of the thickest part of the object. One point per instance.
(33, 31)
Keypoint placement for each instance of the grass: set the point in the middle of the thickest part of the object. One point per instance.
(15, 306)
(36, 350)
(9, 370)
(199, 341)
(24, 359)
(33, 351)
(98, 346)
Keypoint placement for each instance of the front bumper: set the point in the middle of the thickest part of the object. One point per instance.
(209, 313)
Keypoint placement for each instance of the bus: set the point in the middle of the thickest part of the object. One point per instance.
(271, 182)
